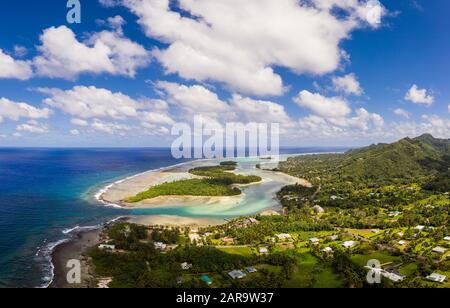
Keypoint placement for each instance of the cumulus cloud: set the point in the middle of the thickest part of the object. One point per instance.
(92, 106)
(110, 128)
(239, 43)
(361, 124)
(79, 122)
(348, 84)
(63, 56)
(91, 102)
(432, 124)
(14, 69)
(250, 110)
(33, 127)
(188, 101)
(74, 132)
(195, 99)
(333, 107)
(16, 110)
(419, 96)
(402, 113)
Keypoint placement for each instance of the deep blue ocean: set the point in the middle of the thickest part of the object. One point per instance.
(44, 192)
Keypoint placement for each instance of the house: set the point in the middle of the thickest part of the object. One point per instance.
(314, 240)
(160, 246)
(180, 280)
(402, 243)
(284, 237)
(439, 250)
(375, 230)
(349, 244)
(447, 238)
(328, 249)
(263, 250)
(206, 279)
(106, 247)
(389, 275)
(186, 266)
(394, 214)
(334, 237)
(419, 228)
(236, 274)
(251, 270)
(401, 234)
(392, 276)
(435, 277)
(194, 237)
(228, 240)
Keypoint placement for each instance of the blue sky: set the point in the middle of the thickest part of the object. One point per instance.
(332, 72)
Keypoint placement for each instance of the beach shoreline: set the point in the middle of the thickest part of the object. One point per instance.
(113, 194)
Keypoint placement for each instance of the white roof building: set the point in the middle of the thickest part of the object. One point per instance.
(263, 250)
(419, 227)
(402, 243)
(159, 245)
(327, 249)
(284, 236)
(439, 249)
(237, 274)
(437, 277)
(186, 266)
(194, 237)
(314, 240)
(447, 238)
(349, 244)
(106, 247)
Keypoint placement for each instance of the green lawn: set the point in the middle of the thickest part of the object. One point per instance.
(311, 274)
(380, 256)
(243, 251)
(408, 269)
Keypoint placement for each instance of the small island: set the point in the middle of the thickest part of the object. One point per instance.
(211, 181)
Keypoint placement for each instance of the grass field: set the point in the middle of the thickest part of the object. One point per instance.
(380, 256)
(243, 251)
(311, 274)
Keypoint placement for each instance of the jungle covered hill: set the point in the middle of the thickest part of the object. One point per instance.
(424, 160)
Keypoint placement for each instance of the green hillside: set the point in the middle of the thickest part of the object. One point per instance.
(424, 160)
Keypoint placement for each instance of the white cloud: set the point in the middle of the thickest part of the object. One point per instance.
(419, 96)
(15, 111)
(20, 51)
(14, 69)
(33, 127)
(110, 128)
(194, 99)
(448, 107)
(74, 132)
(239, 43)
(250, 110)
(402, 113)
(79, 122)
(362, 125)
(91, 102)
(348, 84)
(431, 124)
(330, 107)
(63, 56)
